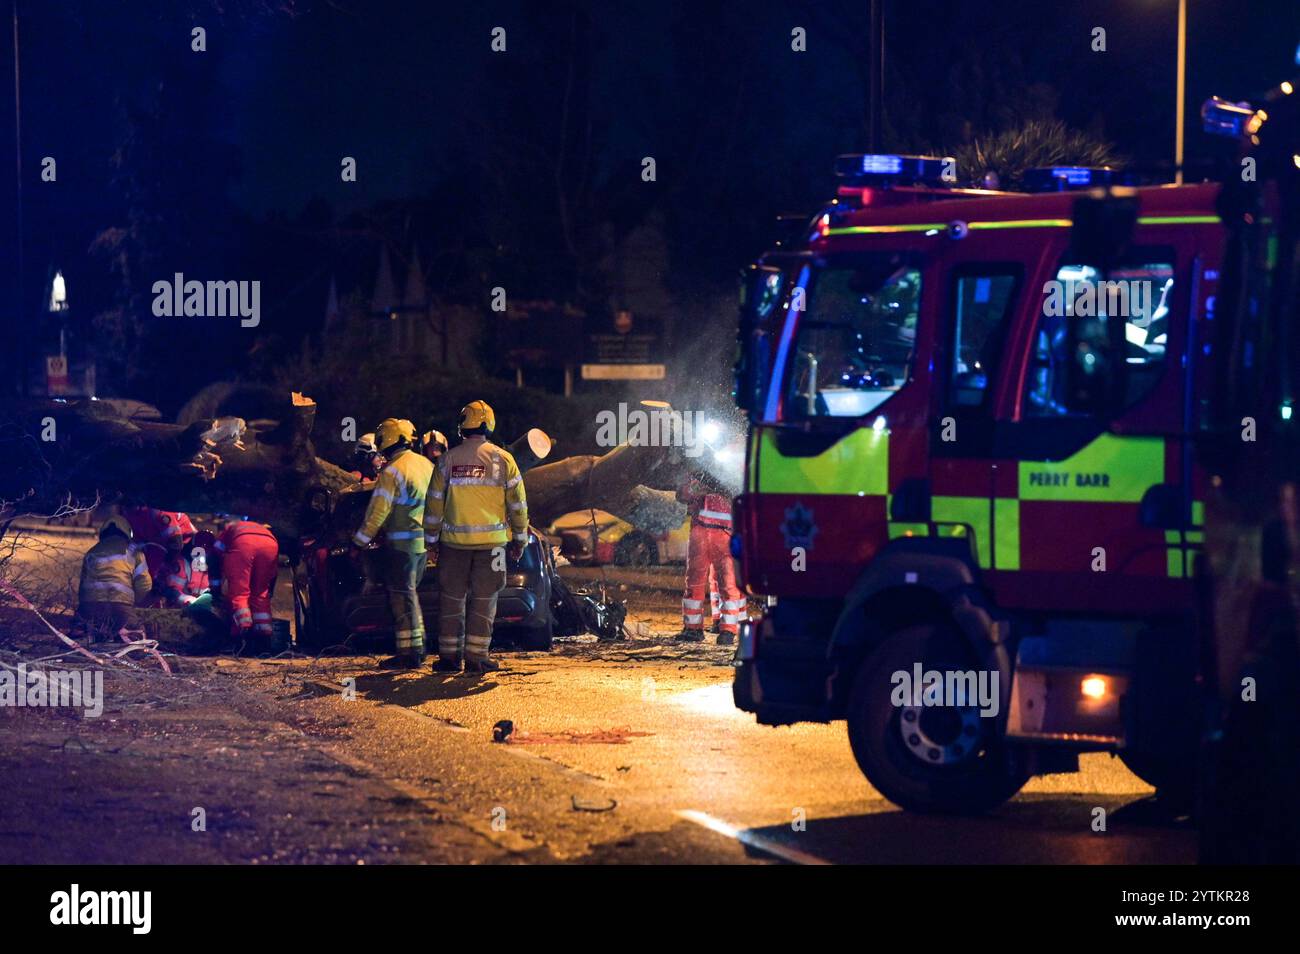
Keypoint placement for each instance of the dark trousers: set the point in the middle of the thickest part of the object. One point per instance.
(477, 576)
(402, 574)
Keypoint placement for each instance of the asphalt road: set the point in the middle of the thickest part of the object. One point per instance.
(626, 753)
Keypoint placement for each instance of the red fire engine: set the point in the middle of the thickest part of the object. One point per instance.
(973, 548)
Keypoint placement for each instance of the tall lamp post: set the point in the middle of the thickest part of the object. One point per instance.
(1182, 92)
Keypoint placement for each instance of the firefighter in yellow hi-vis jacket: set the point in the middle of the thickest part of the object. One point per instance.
(477, 515)
(397, 509)
(114, 578)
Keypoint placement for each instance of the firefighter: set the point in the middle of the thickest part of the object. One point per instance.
(185, 576)
(433, 444)
(245, 577)
(114, 578)
(367, 462)
(396, 509)
(709, 507)
(477, 516)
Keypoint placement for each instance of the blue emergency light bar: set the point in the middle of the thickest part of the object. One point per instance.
(877, 169)
(1222, 118)
(1065, 178)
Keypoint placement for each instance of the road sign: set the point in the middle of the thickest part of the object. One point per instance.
(622, 372)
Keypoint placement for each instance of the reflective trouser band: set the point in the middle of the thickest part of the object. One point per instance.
(693, 619)
(410, 638)
(361, 539)
(733, 604)
(715, 515)
(692, 604)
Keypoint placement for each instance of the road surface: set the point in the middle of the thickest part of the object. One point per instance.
(625, 753)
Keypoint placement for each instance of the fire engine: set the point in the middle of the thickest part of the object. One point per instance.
(969, 464)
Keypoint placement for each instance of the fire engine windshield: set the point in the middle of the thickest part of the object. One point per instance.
(856, 337)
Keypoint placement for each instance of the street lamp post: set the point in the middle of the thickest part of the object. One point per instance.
(1182, 92)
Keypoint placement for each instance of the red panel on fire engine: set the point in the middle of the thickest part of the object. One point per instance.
(1129, 549)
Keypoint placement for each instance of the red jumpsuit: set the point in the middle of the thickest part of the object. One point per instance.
(183, 581)
(248, 553)
(157, 533)
(710, 549)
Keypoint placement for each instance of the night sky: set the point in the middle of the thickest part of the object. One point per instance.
(252, 131)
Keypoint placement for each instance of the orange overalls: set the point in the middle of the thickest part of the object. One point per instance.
(710, 549)
(249, 552)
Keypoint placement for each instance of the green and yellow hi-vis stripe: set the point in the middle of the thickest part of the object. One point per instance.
(1109, 469)
(993, 224)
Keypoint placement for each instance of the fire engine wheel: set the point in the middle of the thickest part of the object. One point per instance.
(932, 759)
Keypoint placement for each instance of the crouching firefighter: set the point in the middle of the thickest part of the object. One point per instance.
(114, 578)
(397, 510)
(477, 516)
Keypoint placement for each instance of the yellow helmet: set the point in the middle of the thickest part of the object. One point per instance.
(477, 414)
(434, 439)
(392, 430)
(117, 523)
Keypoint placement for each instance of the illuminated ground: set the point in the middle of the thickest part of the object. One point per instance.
(631, 753)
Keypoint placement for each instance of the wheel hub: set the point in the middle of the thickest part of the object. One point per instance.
(940, 735)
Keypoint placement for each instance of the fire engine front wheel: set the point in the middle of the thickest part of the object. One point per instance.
(930, 758)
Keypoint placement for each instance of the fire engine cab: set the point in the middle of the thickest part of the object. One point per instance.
(975, 547)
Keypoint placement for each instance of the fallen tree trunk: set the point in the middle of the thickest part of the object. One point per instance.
(264, 469)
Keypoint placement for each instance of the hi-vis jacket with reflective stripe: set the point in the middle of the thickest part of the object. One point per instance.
(114, 571)
(476, 498)
(397, 503)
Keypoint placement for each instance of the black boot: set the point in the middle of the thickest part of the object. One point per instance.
(726, 639)
(481, 664)
(690, 636)
(447, 664)
(409, 659)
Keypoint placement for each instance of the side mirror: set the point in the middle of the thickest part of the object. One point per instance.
(320, 500)
(761, 290)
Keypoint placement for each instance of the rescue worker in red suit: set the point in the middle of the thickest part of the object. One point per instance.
(247, 554)
(709, 507)
(185, 576)
(159, 534)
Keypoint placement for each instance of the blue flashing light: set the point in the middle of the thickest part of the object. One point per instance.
(881, 165)
(1064, 178)
(876, 169)
(1222, 118)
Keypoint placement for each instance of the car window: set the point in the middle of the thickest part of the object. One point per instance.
(1140, 293)
(856, 339)
(981, 302)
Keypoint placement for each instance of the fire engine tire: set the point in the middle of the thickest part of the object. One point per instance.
(975, 783)
(1173, 777)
